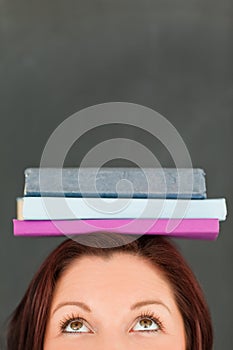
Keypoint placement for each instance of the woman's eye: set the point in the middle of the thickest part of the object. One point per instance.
(146, 324)
(75, 326)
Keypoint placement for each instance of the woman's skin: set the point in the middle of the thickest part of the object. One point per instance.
(109, 297)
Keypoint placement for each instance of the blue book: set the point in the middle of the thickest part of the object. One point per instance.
(58, 208)
(112, 182)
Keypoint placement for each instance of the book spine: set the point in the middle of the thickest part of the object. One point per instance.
(114, 182)
(50, 208)
(207, 229)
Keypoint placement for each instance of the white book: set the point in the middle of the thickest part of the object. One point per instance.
(66, 208)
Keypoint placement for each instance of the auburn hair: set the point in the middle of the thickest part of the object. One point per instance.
(27, 325)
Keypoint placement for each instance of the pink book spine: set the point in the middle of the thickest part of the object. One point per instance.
(207, 229)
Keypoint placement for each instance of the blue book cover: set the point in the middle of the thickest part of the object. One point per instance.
(116, 182)
(58, 208)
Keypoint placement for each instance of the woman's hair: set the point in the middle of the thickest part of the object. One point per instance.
(26, 329)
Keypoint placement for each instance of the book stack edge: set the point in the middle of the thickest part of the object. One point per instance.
(69, 201)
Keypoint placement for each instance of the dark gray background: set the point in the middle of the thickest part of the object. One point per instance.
(57, 57)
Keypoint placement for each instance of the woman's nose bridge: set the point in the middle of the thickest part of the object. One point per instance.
(114, 341)
(112, 345)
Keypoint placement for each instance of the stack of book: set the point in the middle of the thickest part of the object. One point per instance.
(164, 201)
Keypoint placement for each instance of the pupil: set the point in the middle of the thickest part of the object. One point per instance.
(146, 323)
(76, 325)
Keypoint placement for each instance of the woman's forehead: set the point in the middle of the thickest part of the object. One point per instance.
(118, 265)
(122, 275)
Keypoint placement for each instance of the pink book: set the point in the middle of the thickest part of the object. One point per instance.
(207, 229)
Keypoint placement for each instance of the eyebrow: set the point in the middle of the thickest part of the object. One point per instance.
(149, 302)
(133, 307)
(76, 303)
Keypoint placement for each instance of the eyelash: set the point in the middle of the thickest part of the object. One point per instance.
(67, 319)
(151, 316)
(148, 314)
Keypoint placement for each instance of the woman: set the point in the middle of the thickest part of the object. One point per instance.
(137, 295)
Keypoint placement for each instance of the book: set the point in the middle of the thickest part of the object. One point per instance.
(116, 182)
(207, 229)
(66, 208)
